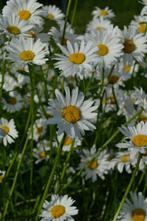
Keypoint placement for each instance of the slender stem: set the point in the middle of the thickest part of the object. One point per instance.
(49, 181)
(66, 18)
(2, 80)
(11, 164)
(15, 179)
(74, 12)
(127, 190)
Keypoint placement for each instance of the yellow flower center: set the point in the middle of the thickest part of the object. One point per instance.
(127, 68)
(13, 30)
(99, 28)
(42, 154)
(77, 58)
(138, 214)
(27, 55)
(143, 118)
(93, 164)
(142, 28)
(5, 128)
(71, 114)
(12, 101)
(109, 100)
(58, 211)
(1, 178)
(129, 46)
(31, 34)
(24, 14)
(125, 158)
(113, 79)
(103, 12)
(39, 130)
(50, 16)
(68, 140)
(139, 140)
(103, 50)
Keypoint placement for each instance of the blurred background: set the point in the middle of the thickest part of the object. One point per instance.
(124, 10)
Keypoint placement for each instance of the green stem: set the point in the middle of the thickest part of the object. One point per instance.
(65, 23)
(11, 164)
(15, 179)
(48, 182)
(74, 12)
(127, 190)
(2, 82)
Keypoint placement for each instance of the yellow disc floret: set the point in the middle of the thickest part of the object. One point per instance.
(57, 211)
(27, 55)
(129, 46)
(24, 14)
(5, 128)
(93, 164)
(139, 140)
(138, 214)
(103, 50)
(77, 58)
(13, 30)
(71, 113)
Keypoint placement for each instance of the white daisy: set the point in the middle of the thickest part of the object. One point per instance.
(108, 47)
(53, 13)
(72, 114)
(136, 138)
(98, 25)
(13, 26)
(39, 129)
(25, 10)
(41, 151)
(26, 51)
(104, 13)
(93, 167)
(134, 44)
(59, 209)
(8, 132)
(140, 24)
(134, 209)
(13, 102)
(2, 175)
(124, 162)
(76, 59)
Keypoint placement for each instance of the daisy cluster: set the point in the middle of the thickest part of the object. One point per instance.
(83, 93)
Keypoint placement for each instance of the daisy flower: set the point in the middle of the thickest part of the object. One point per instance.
(72, 114)
(124, 162)
(136, 138)
(26, 51)
(25, 10)
(39, 129)
(13, 26)
(93, 167)
(53, 13)
(134, 44)
(8, 132)
(76, 59)
(13, 102)
(108, 47)
(134, 209)
(98, 25)
(140, 24)
(144, 2)
(41, 151)
(2, 175)
(59, 209)
(104, 13)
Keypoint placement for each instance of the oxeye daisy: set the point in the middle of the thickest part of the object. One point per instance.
(104, 13)
(134, 44)
(136, 138)
(25, 10)
(140, 24)
(134, 209)
(76, 59)
(53, 13)
(2, 175)
(8, 132)
(108, 47)
(13, 102)
(59, 209)
(13, 26)
(98, 25)
(39, 129)
(41, 151)
(26, 51)
(93, 167)
(71, 113)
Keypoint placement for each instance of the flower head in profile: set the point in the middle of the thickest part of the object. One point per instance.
(71, 113)
(59, 209)
(27, 50)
